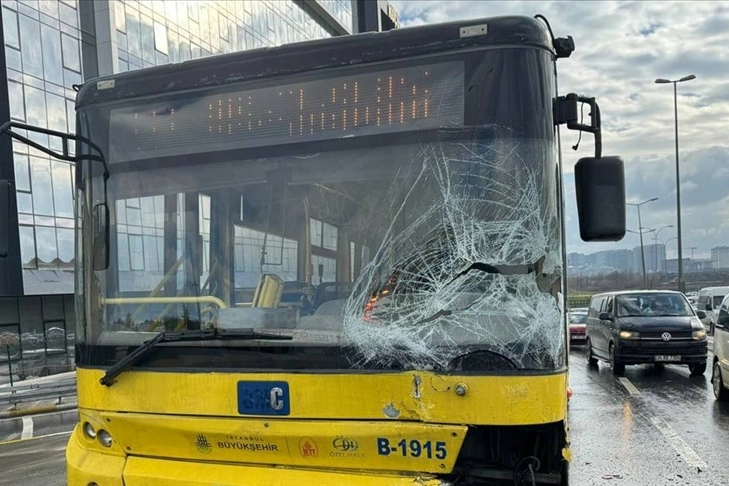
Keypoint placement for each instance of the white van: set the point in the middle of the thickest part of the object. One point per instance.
(709, 300)
(720, 366)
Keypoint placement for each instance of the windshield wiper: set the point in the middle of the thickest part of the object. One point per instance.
(171, 336)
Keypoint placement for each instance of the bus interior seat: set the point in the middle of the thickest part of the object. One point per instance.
(293, 291)
(328, 317)
(268, 291)
(331, 291)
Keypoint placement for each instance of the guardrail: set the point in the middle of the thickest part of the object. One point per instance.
(40, 391)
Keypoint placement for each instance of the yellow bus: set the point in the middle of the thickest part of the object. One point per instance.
(339, 262)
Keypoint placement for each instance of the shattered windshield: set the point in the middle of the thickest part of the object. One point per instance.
(415, 254)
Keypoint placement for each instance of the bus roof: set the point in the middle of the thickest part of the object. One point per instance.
(314, 55)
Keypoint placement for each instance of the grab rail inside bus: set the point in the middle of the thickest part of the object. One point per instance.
(171, 273)
(202, 299)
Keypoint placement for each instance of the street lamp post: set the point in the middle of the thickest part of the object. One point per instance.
(678, 177)
(655, 246)
(640, 228)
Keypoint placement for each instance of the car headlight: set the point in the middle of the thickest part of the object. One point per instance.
(698, 335)
(629, 335)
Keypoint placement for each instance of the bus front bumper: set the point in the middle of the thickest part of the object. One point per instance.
(87, 465)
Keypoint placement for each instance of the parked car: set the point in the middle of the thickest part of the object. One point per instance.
(709, 300)
(578, 325)
(56, 333)
(635, 327)
(720, 366)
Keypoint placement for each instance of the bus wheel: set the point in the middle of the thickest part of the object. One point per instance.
(44, 372)
(591, 359)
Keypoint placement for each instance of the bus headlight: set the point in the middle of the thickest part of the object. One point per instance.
(89, 430)
(631, 335)
(104, 438)
(698, 335)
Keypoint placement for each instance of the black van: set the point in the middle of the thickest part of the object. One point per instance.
(642, 326)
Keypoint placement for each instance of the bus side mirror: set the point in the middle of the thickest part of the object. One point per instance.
(101, 227)
(600, 189)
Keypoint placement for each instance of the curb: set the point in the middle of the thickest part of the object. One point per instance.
(37, 410)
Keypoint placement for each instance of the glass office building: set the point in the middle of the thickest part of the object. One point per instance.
(52, 45)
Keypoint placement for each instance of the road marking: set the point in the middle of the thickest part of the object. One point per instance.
(629, 386)
(55, 434)
(27, 428)
(678, 444)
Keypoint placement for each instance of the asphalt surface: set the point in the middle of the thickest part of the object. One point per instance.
(653, 427)
(34, 462)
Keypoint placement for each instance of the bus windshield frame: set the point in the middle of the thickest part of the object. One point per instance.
(514, 285)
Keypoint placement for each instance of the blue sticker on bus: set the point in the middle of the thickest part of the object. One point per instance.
(263, 398)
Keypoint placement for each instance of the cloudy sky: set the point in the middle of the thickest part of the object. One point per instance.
(621, 48)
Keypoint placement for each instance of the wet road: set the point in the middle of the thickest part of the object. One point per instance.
(34, 462)
(651, 428)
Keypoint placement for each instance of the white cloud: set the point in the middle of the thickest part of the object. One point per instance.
(621, 48)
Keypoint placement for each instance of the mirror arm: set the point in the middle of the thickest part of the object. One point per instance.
(9, 127)
(565, 112)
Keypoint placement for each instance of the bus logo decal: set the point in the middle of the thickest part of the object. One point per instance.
(308, 448)
(344, 444)
(202, 444)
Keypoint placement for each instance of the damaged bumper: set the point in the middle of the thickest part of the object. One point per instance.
(142, 471)
(86, 465)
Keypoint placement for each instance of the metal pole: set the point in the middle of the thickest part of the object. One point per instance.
(678, 194)
(642, 251)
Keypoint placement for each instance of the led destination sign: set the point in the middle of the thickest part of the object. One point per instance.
(404, 99)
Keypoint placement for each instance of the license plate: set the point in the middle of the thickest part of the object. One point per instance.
(263, 398)
(664, 357)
